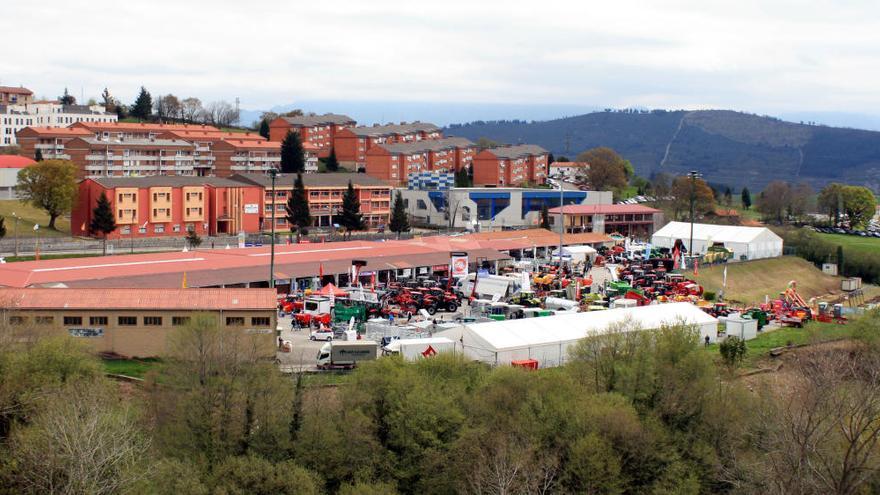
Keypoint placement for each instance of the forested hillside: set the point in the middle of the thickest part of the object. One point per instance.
(732, 148)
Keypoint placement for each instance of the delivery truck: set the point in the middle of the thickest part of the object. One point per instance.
(415, 349)
(346, 355)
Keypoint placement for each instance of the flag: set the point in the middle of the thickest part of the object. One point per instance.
(321, 271)
(373, 282)
(724, 277)
(696, 268)
(577, 292)
(183, 282)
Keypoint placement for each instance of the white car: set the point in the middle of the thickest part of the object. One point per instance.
(321, 334)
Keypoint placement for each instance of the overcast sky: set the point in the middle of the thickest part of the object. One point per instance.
(770, 56)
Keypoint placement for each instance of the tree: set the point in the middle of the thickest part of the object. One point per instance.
(746, 198)
(67, 98)
(49, 185)
(608, 170)
(264, 128)
(831, 201)
(108, 101)
(293, 159)
(563, 158)
(143, 105)
(545, 217)
(331, 162)
(192, 238)
(728, 197)
(220, 113)
(462, 179)
(168, 107)
(486, 143)
(38, 156)
(191, 109)
(399, 221)
(550, 159)
(103, 221)
(351, 217)
(859, 204)
(704, 200)
(733, 351)
(258, 476)
(773, 201)
(298, 215)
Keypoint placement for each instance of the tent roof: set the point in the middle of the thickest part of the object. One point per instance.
(515, 334)
(715, 233)
(394, 345)
(576, 249)
(331, 289)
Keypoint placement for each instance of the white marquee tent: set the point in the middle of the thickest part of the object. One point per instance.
(548, 339)
(752, 242)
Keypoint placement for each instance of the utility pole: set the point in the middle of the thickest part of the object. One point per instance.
(15, 232)
(561, 222)
(693, 175)
(273, 173)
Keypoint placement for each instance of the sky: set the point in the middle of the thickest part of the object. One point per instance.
(505, 59)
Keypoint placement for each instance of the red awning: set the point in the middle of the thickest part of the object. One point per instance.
(332, 290)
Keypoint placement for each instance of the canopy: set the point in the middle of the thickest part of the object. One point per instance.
(332, 290)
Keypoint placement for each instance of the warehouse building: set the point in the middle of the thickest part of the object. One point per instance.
(138, 322)
(747, 243)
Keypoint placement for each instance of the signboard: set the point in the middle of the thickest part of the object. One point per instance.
(252, 331)
(459, 265)
(251, 208)
(86, 332)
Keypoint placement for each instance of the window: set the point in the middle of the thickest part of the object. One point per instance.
(260, 321)
(45, 320)
(17, 320)
(421, 204)
(179, 321)
(176, 228)
(97, 320)
(73, 320)
(159, 229)
(127, 321)
(234, 321)
(152, 321)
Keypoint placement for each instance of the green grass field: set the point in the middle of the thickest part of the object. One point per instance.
(814, 332)
(748, 282)
(28, 217)
(136, 368)
(854, 243)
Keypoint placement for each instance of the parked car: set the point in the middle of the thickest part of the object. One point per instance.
(321, 334)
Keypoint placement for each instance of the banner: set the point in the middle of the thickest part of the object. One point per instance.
(459, 265)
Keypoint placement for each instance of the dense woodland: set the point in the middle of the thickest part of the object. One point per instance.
(633, 412)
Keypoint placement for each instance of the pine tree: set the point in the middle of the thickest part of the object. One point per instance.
(298, 208)
(461, 178)
(38, 156)
(331, 162)
(103, 221)
(2, 227)
(728, 196)
(67, 98)
(399, 221)
(293, 159)
(550, 159)
(746, 198)
(143, 105)
(545, 217)
(192, 238)
(264, 128)
(351, 217)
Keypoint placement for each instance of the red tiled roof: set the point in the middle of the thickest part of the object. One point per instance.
(56, 131)
(603, 209)
(140, 298)
(201, 134)
(14, 161)
(570, 164)
(245, 143)
(14, 90)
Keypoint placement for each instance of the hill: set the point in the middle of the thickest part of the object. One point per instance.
(732, 148)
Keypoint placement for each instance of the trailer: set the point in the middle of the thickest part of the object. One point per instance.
(346, 355)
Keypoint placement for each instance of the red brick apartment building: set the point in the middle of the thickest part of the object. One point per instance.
(319, 130)
(136, 130)
(324, 193)
(131, 157)
(169, 206)
(204, 159)
(51, 141)
(394, 162)
(351, 144)
(240, 155)
(10, 95)
(510, 166)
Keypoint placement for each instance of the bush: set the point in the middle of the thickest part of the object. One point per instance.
(733, 350)
(709, 295)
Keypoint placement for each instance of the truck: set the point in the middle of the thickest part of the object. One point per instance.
(346, 355)
(415, 349)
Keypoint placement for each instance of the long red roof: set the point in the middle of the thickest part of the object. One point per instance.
(138, 299)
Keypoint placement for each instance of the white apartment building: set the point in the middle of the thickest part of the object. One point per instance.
(15, 117)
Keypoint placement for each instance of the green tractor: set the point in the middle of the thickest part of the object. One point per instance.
(717, 253)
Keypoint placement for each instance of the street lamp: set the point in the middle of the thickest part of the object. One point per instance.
(273, 173)
(693, 175)
(15, 232)
(561, 222)
(131, 228)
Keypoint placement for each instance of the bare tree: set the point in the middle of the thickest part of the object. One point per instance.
(191, 109)
(504, 464)
(168, 107)
(220, 113)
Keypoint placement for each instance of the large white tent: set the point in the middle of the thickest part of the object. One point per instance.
(548, 339)
(750, 242)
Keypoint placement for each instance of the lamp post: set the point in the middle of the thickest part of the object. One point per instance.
(693, 175)
(131, 229)
(15, 232)
(561, 221)
(273, 173)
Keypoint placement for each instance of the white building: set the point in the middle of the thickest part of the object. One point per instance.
(549, 339)
(10, 166)
(747, 243)
(14, 118)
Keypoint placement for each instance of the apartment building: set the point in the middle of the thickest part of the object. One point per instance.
(234, 156)
(10, 95)
(395, 162)
(131, 157)
(204, 142)
(318, 130)
(137, 322)
(324, 192)
(569, 169)
(352, 144)
(51, 141)
(137, 130)
(14, 118)
(169, 206)
(510, 166)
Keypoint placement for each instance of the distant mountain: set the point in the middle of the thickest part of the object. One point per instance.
(727, 147)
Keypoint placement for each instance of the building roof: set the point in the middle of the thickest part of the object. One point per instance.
(56, 131)
(83, 109)
(136, 142)
(189, 135)
(165, 181)
(15, 161)
(144, 126)
(402, 128)
(253, 144)
(15, 90)
(313, 180)
(313, 120)
(426, 145)
(138, 299)
(715, 233)
(570, 164)
(520, 150)
(604, 209)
